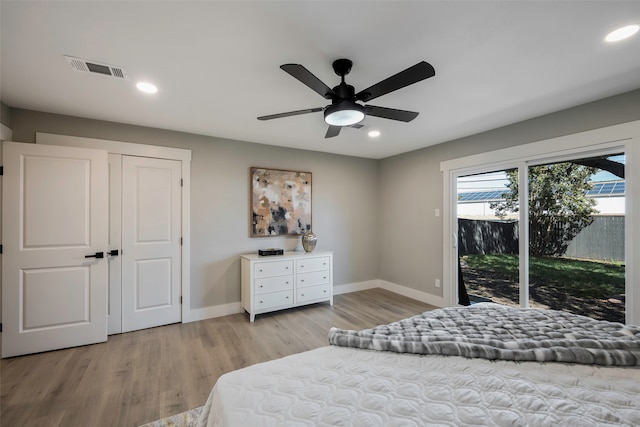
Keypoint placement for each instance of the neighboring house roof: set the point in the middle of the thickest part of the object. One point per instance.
(600, 189)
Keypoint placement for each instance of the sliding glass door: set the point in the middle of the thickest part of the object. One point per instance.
(545, 234)
(487, 241)
(576, 218)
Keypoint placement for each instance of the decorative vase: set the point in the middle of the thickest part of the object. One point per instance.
(309, 241)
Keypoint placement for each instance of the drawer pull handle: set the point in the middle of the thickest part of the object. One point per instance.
(260, 270)
(260, 301)
(302, 280)
(286, 268)
(287, 297)
(301, 294)
(261, 286)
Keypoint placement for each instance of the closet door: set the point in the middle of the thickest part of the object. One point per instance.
(151, 242)
(54, 227)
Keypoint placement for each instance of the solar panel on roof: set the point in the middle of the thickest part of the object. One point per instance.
(618, 188)
(597, 187)
(607, 188)
(601, 189)
(478, 196)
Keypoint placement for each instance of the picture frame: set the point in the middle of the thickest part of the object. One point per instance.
(280, 202)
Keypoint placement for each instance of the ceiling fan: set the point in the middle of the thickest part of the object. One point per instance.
(344, 109)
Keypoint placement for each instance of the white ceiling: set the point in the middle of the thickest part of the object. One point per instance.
(217, 64)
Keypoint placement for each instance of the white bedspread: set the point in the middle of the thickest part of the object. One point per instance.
(335, 386)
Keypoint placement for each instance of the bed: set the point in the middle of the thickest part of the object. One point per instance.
(480, 365)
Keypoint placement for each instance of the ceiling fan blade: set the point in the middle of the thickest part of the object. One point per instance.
(332, 131)
(291, 113)
(420, 71)
(305, 76)
(390, 113)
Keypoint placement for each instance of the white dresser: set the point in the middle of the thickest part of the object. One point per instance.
(271, 283)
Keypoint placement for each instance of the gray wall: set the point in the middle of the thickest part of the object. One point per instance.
(379, 216)
(344, 196)
(411, 186)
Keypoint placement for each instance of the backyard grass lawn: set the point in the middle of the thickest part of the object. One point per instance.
(578, 286)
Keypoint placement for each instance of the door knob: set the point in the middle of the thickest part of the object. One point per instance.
(96, 255)
(113, 252)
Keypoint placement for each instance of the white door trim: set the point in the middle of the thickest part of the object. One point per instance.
(144, 150)
(114, 312)
(5, 133)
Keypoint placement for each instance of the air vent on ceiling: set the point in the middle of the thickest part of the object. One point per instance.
(87, 66)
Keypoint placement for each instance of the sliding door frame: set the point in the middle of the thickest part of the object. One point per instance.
(619, 138)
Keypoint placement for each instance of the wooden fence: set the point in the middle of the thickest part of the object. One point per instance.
(603, 239)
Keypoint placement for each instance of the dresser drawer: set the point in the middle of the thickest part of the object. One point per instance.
(274, 299)
(273, 284)
(275, 268)
(312, 264)
(313, 293)
(312, 279)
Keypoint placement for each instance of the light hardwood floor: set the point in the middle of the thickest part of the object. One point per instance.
(145, 375)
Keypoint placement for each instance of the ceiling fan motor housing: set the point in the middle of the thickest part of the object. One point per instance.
(344, 91)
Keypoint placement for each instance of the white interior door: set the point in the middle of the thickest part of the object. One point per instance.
(54, 216)
(151, 247)
(114, 308)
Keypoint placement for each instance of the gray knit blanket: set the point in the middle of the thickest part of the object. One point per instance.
(497, 332)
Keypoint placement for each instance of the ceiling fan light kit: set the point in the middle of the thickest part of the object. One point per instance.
(344, 110)
(344, 113)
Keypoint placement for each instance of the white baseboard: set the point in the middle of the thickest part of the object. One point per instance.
(236, 307)
(213, 311)
(355, 287)
(412, 293)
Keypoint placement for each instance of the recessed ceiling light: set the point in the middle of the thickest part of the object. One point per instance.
(374, 133)
(146, 87)
(622, 33)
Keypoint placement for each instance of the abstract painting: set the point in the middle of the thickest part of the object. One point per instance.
(280, 202)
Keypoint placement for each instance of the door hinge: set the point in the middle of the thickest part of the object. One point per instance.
(181, 182)
(0, 327)
(181, 241)
(0, 249)
(180, 299)
(1, 170)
